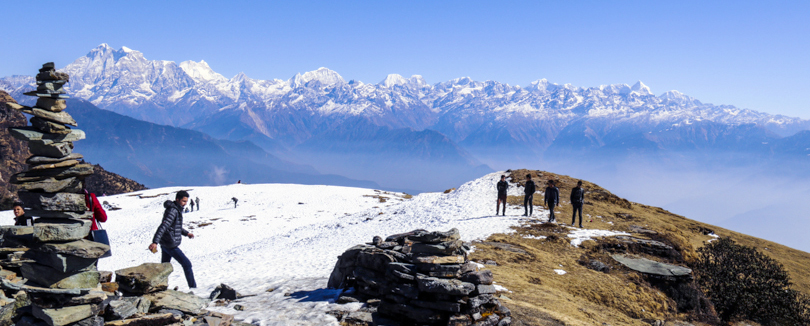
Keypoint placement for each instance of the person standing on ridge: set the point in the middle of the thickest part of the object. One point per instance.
(169, 235)
(577, 199)
(528, 196)
(502, 186)
(234, 201)
(191, 203)
(20, 219)
(197, 199)
(552, 198)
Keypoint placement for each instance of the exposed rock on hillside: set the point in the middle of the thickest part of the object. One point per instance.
(104, 182)
(13, 152)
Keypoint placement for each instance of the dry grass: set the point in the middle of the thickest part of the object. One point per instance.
(587, 297)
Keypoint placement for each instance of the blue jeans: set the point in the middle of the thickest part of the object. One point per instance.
(577, 208)
(177, 254)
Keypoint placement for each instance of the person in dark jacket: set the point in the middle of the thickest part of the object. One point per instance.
(551, 200)
(235, 200)
(528, 195)
(502, 186)
(191, 202)
(577, 199)
(197, 199)
(169, 235)
(20, 219)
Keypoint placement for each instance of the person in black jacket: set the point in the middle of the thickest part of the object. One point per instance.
(577, 199)
(528, 196)
(169, 235)
(551, 200)
(502, 186)
(20, 219)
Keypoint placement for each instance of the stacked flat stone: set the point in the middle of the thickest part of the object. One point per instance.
(64, 263)
(420, 278)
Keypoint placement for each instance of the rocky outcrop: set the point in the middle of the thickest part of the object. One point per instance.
(13, 152)
(104, 182)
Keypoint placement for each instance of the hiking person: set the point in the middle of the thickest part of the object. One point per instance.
(169, 234)
(99, 215)
(20, 219)
(577, 199)
(502, 186)
(197, 199)
(234, 201)
(528, 195)
(191, 202)
(552, 198)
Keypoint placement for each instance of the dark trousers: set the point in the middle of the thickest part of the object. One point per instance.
(177, 254)
(551, 217)
(577, 207)
(527, 204)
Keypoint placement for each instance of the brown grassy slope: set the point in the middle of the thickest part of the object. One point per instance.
(587, 297)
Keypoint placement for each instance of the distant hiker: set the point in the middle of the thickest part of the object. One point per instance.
(191, 202)
(240, 181)
(502, 186)
(169, 235)
(197, 199)
(552, 199)
(234, 201)
(528, 196)
(577, 199)
(20, 219)
(186, 210)
(99, 215)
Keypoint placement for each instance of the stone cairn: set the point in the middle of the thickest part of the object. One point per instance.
(418, 278)
(60, 282)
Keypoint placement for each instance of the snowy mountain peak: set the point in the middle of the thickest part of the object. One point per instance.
(393, 80)
(127, 50)
(640, 88)
(201, 71)
(324, 76)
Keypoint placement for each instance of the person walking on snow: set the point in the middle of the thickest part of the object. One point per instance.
(528, 196)
(502, 186)
(577, 199)
(197, 199)
(234, 201)
(552, 198)
(191, 202)
(169, 235)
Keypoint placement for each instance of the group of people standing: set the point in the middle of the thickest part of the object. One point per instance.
(551, 199)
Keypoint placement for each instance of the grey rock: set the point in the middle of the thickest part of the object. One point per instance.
(403, 267)
(438, 270)
(175, 312)
(62, 262)
(149, 320)
(50, 104)
(459, 320)
(30, 321)
(32, 134)
(79, 248)
(53, 185)
(66, 315)
(187, 303)
(49, 277)
(58, 173)
(444, 286)
(51, 150)
(374, 259)
(368, 276)
(400, 238)
(477, 301)
(85, 215)
(120, 309)
(419, 315)
(59, 117)
(50, 87)
(506, 321)
(598, 266)
(92, 321)
(398, 276)
(144, 278)
(479, 277)
(438, 305)
(36, 160)
(223, 291)
(53, 201)
(141, 304)
(491, 320)
(442, 248)
(647, 266)
(16, 231)
(52, 75)
(60, 229)
(49, 126)
(437, 236)
(485, 289)
(405, 290)
(37, 93)
(62, 164)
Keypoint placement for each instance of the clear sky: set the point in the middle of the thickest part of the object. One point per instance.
(751, 54)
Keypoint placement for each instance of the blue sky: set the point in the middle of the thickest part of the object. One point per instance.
(748, 54)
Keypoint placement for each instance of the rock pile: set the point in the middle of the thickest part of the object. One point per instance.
(422, 278)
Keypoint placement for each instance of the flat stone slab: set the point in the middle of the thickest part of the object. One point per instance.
(149, 320)
(84, 215)
(62, 201)
(62, 164)
(62, 263)
(49, 277)
(436, 236)
(66, 315)
(50, 104)
(60, 229)
(6, 284)
(144, 278)
(37, 160)
(31, 134)
(646, 266)
(439, 260)
(169, 299)
(53, 185)
(51, 150)
(79, 248)
(58, 173)
(49, 127)
(442, 248)
(444, 286)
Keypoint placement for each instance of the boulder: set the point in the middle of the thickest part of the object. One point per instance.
(32, 134)
(66, 315)
(169, 299)
(49, 277)
(79, 248)
(53, 185)
(50, 150)
(436, 236)
(36, 160)
(485, 289)
(51, 104)
(120, 309)
(144, 278)
(479, 277)
(60, 229)
(150, 320)
(61, 262)
(444, 286)
(646, 266)
(49, 126)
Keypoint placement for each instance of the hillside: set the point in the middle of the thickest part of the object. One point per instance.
(279, 245)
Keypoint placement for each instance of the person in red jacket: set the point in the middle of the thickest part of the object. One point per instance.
(98, 210)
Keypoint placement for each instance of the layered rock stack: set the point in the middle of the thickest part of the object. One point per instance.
(420, 278)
